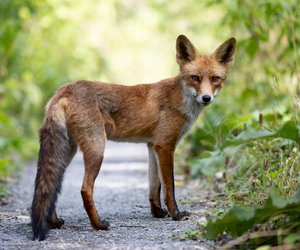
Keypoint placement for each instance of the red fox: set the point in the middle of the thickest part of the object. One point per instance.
(88, 113)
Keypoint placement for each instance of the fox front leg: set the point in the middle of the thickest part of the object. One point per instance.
(154, 185)
(165, 156)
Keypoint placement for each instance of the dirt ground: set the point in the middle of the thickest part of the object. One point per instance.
(121, 197)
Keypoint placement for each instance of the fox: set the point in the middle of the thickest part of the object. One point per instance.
(86, 114)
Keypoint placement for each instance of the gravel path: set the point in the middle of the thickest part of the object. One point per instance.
(121, 197)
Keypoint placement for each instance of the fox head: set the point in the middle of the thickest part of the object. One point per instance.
(203, 76)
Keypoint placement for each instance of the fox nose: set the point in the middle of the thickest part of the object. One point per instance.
(206, 98)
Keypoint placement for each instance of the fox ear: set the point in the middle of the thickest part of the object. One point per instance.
(225, 52)
(186, 52)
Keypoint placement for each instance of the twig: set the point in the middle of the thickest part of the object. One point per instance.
(132, 226)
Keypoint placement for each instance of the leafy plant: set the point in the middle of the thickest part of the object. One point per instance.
(283, 214)
(208, 162)
(289, 131)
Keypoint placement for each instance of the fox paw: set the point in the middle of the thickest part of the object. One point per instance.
(184, 215)
(158, 212)
(103, 225)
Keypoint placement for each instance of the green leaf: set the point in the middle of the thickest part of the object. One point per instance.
(246, 136)
(266, 247)
(289, 131)
(235, 222)
(292, 238)
(206, 164)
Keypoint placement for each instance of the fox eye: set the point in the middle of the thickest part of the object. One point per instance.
(195, 78)
(216, 78)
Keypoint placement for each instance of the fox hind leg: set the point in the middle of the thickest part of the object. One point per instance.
(93, 150)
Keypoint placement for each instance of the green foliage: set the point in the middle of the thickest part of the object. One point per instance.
(281, 213)
(288, 131)
(38, 54)
(191, 235)
(255, 163)
(12, 94)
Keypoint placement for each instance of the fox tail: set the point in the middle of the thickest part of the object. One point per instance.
(54, 157)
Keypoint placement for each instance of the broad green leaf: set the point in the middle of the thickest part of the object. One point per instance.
(235, 222)
(292, 238)
(289, 131)
(207, 163)
(246, 136)
(266, 247)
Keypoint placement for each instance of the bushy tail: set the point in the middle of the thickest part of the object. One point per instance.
(53, 160)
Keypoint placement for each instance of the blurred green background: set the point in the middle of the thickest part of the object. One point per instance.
(44, 44)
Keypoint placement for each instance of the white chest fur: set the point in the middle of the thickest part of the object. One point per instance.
(191, 109)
